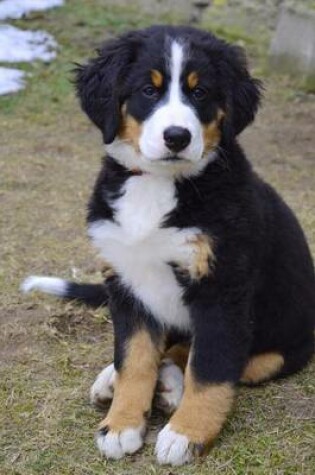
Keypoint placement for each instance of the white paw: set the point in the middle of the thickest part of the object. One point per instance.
(172, 448)
(170, 386)
(114, 445)
(103, 386)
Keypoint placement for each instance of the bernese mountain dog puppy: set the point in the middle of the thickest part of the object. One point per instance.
(211, 281)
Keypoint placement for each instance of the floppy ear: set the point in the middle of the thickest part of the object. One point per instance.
(244, 91)
(99, 83)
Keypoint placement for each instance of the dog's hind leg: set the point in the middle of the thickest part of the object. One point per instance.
(178, 354)
(262, 367)
(102, 389)
(272, 365)
(170, 380)
(170, 386)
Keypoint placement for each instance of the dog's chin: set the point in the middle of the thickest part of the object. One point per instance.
(177, 165)
(171, 165)
(173, 159)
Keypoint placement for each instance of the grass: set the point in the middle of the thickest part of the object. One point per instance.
(51, 352)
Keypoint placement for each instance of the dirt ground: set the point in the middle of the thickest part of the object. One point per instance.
(50, 351)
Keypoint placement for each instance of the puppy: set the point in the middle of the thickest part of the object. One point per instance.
(208, 264)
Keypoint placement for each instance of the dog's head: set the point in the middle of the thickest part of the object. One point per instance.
(166, 97)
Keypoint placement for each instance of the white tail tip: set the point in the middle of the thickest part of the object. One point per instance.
(49, 285)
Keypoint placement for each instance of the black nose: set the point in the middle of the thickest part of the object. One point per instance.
(176, 138)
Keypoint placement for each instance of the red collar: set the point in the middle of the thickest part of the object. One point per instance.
(137, 172)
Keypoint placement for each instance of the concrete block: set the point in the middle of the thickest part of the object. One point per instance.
(293, 46)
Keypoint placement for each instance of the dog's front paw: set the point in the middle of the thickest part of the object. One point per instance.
(196, 256)
(173, 448)
(114, 445)
(103, 387)
(202, 256)
(170, 387)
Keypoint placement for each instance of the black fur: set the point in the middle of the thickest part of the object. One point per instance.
(261, 296)
(129, 315)
(99, 83)
(94, 295)
(122, 68)
(107, 189)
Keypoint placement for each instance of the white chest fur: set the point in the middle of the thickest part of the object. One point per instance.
(139, 249)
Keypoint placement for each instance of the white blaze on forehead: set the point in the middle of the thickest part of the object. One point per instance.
(176, 66)
(172, 111)
(179, 114)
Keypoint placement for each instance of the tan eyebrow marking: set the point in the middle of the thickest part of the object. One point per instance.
(157, 78)
(192, 80)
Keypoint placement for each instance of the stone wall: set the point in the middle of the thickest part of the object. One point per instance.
(293, 46)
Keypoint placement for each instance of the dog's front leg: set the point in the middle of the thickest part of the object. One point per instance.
(215, 362)
(138, 349)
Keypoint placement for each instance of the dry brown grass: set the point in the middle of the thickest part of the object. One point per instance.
(51, 352)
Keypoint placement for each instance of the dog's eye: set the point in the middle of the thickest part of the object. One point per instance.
(149, 91)
(199, 93)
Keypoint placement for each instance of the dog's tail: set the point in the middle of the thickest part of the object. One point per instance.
(93, 295)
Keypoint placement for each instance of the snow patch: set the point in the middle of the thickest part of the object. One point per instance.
(23, 46)
(18, 45)
(11, 80)
(18, 8)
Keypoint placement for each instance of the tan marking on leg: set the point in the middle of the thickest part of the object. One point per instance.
(134, 384)
(204, 256)
(203, 410)
(192, 80)
(262, 367)
(157, 78)
(212, 133)
(178, 354)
